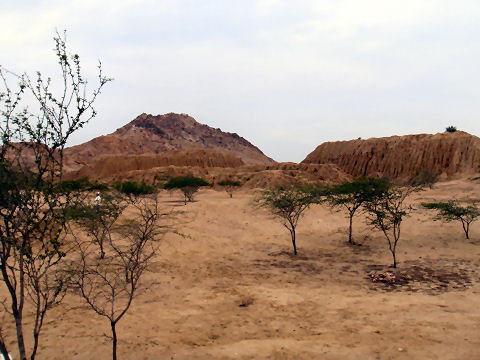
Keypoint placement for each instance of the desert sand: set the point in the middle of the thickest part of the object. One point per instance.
(226, 285)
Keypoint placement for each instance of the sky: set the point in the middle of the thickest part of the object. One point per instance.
(285, 75)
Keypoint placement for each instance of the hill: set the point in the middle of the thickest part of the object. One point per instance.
(399, 157)
(149, 134)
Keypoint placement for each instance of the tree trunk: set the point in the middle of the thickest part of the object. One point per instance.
(292, 232)
(3, 350)
(16, 311)
(350, 230)
(35, 346)
(21, 342)
(102, 252)
(114, 343)
(394, 259)
(466, 228)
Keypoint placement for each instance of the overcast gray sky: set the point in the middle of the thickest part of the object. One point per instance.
(286, 75)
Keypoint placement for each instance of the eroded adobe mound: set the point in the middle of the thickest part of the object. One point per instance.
(113, 166)
(400, 157)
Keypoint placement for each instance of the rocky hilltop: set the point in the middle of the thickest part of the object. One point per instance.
(149, 134)
(399, 157)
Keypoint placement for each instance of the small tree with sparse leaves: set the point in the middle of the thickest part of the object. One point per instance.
(386, 212)
(352, 195)
(109, 285)
(33, 197)
(287, 203)
(189, 185)
(453, 211)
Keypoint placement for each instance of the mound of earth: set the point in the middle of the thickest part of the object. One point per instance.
(149, 134)
(399, 157)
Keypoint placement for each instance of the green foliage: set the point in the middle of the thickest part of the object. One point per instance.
(189, 185)
(229, 182)
(356, 192)
(287, 203)
(181, 182)
(82, 184)
(134, 188)
(453, 211)
(451, 129)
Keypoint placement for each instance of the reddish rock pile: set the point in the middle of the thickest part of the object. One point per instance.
(400, 157)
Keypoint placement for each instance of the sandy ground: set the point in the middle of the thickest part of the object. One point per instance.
(226, 286)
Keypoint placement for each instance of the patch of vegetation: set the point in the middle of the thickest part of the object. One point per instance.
(82, 184)
(451, 129)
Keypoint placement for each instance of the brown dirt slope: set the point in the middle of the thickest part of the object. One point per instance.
(149, 134)
(399, 157)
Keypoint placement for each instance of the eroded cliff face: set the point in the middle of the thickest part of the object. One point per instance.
(108, 166)
(400, 157)
(149, 134)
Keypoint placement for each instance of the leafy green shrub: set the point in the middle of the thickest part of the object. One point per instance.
(134, 188)
(451, 129)
(82, 184)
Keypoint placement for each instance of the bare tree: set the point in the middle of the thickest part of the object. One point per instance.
(109, 285)
(32, 203)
